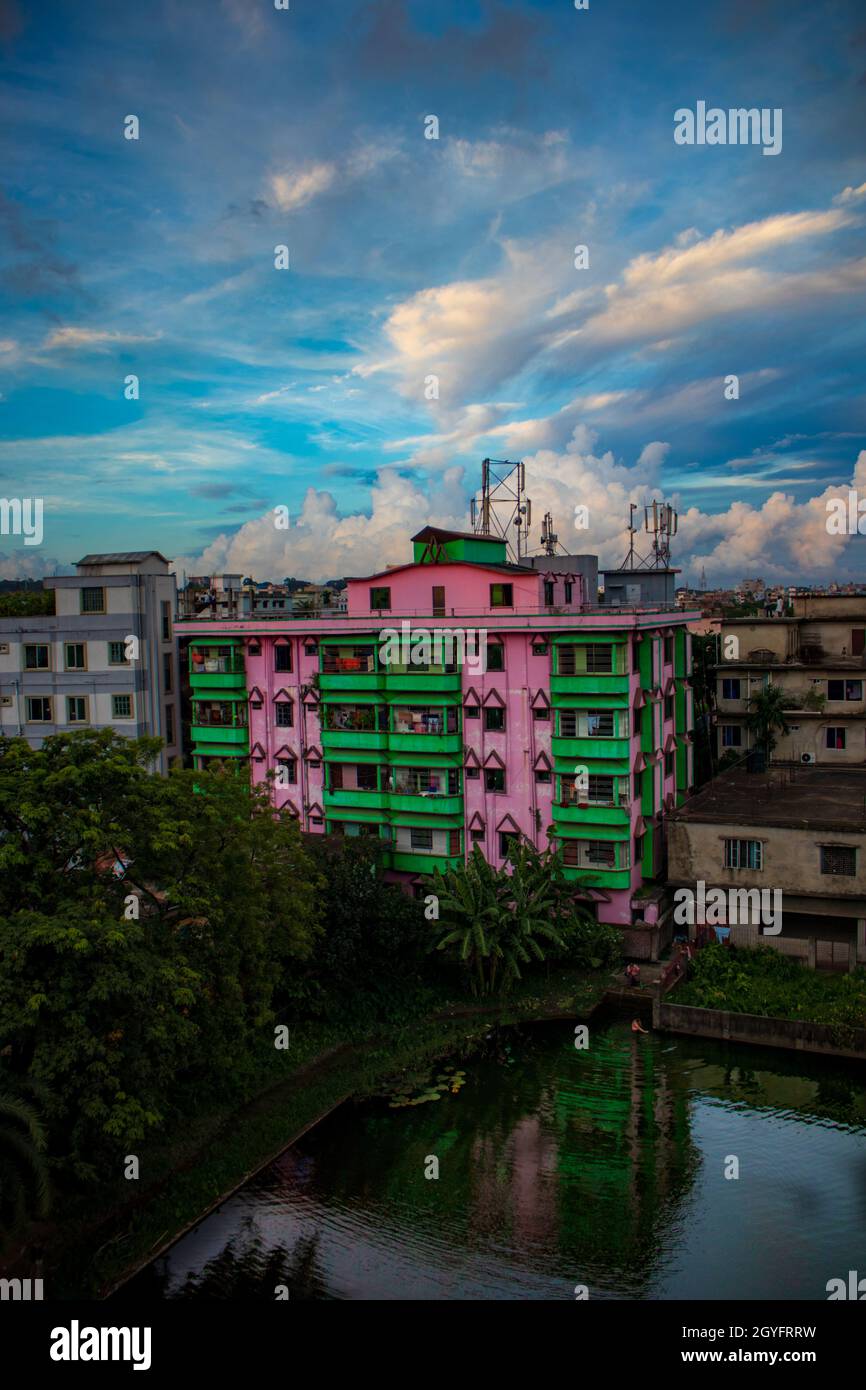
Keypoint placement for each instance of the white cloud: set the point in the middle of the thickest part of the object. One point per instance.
(294, 189)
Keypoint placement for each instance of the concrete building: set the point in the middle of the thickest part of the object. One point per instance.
(818, 659)
(79, 669)
(801, 830)
(576, 725)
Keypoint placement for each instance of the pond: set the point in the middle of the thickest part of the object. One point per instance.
(558, 1168)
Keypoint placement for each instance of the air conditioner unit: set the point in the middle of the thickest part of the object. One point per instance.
(807, 757)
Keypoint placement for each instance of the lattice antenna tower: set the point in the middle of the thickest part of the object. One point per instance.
(503, 509)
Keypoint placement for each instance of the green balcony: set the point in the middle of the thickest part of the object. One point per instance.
(424, 682)
(426, 743)
(205, 735)
(356, 799)
(419, 863)
(598, 878)
(423, 805)
(582, 748)
(589, 683)
(361, 681)
(207, 681)
(591, 816)
(353, 738)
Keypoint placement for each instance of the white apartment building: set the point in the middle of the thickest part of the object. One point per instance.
(106, 658)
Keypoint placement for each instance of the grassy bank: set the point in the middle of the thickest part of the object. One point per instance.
(96, 1242)
(763, 981)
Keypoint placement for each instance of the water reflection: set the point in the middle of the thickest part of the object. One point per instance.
(557, 1168)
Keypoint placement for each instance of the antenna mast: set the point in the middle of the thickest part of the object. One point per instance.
(503, 509)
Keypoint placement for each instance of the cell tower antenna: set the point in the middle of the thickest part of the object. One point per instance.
(660, 522)
(503, 508)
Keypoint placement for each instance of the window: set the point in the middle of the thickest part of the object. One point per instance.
(669, 707)
(454, 846)
(284, 714)
(472, 712)
(601, 789)
(568, 723)
(495, 656)
(121, 706)
(501, 595)
(309, 650)
(287, 772)
(599, 724)
(380, 599)
(476, 835)
(37, 658)
(366, 777)
(599, 658)
(282, 657)
(839, 859)
(494, 718)
(595, 658)
(730, 688)
(117, 654)
(669, 764)
(539, 649)
(75, 656)
(744, 854)
(669, 650)
(438, 601)
(420, 839)
(76, 709)
(548, 593)
(508, 840)
(169, 724)
(38, 709)
(494, 779)
(165, 609)
(93, 600)
(835, 737)
(638, 785)
(541, 712)
(844, 690)
(542, 774)
(638, 848)
(732, 736)
(569, 589)
(473, 772)
(599, 852)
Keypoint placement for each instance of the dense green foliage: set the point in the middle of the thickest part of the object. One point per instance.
(112, 1015)
(763, 981)
(495, 921)
(27, 603)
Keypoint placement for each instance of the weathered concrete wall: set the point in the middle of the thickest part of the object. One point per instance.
(754, 1028)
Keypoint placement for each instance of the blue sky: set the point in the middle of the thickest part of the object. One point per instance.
(413, 257)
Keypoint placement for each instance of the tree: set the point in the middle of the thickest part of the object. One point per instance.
(766, 717)
(496, 921)
(145, 925)
(25, 1186)
(373, 934)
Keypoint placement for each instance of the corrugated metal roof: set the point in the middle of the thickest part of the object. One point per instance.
(122, 557)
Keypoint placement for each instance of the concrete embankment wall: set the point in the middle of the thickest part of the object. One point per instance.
(827, 1039)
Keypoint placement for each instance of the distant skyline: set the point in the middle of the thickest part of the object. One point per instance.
(414, 258)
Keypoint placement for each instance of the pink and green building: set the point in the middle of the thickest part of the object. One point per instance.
(578, 728)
